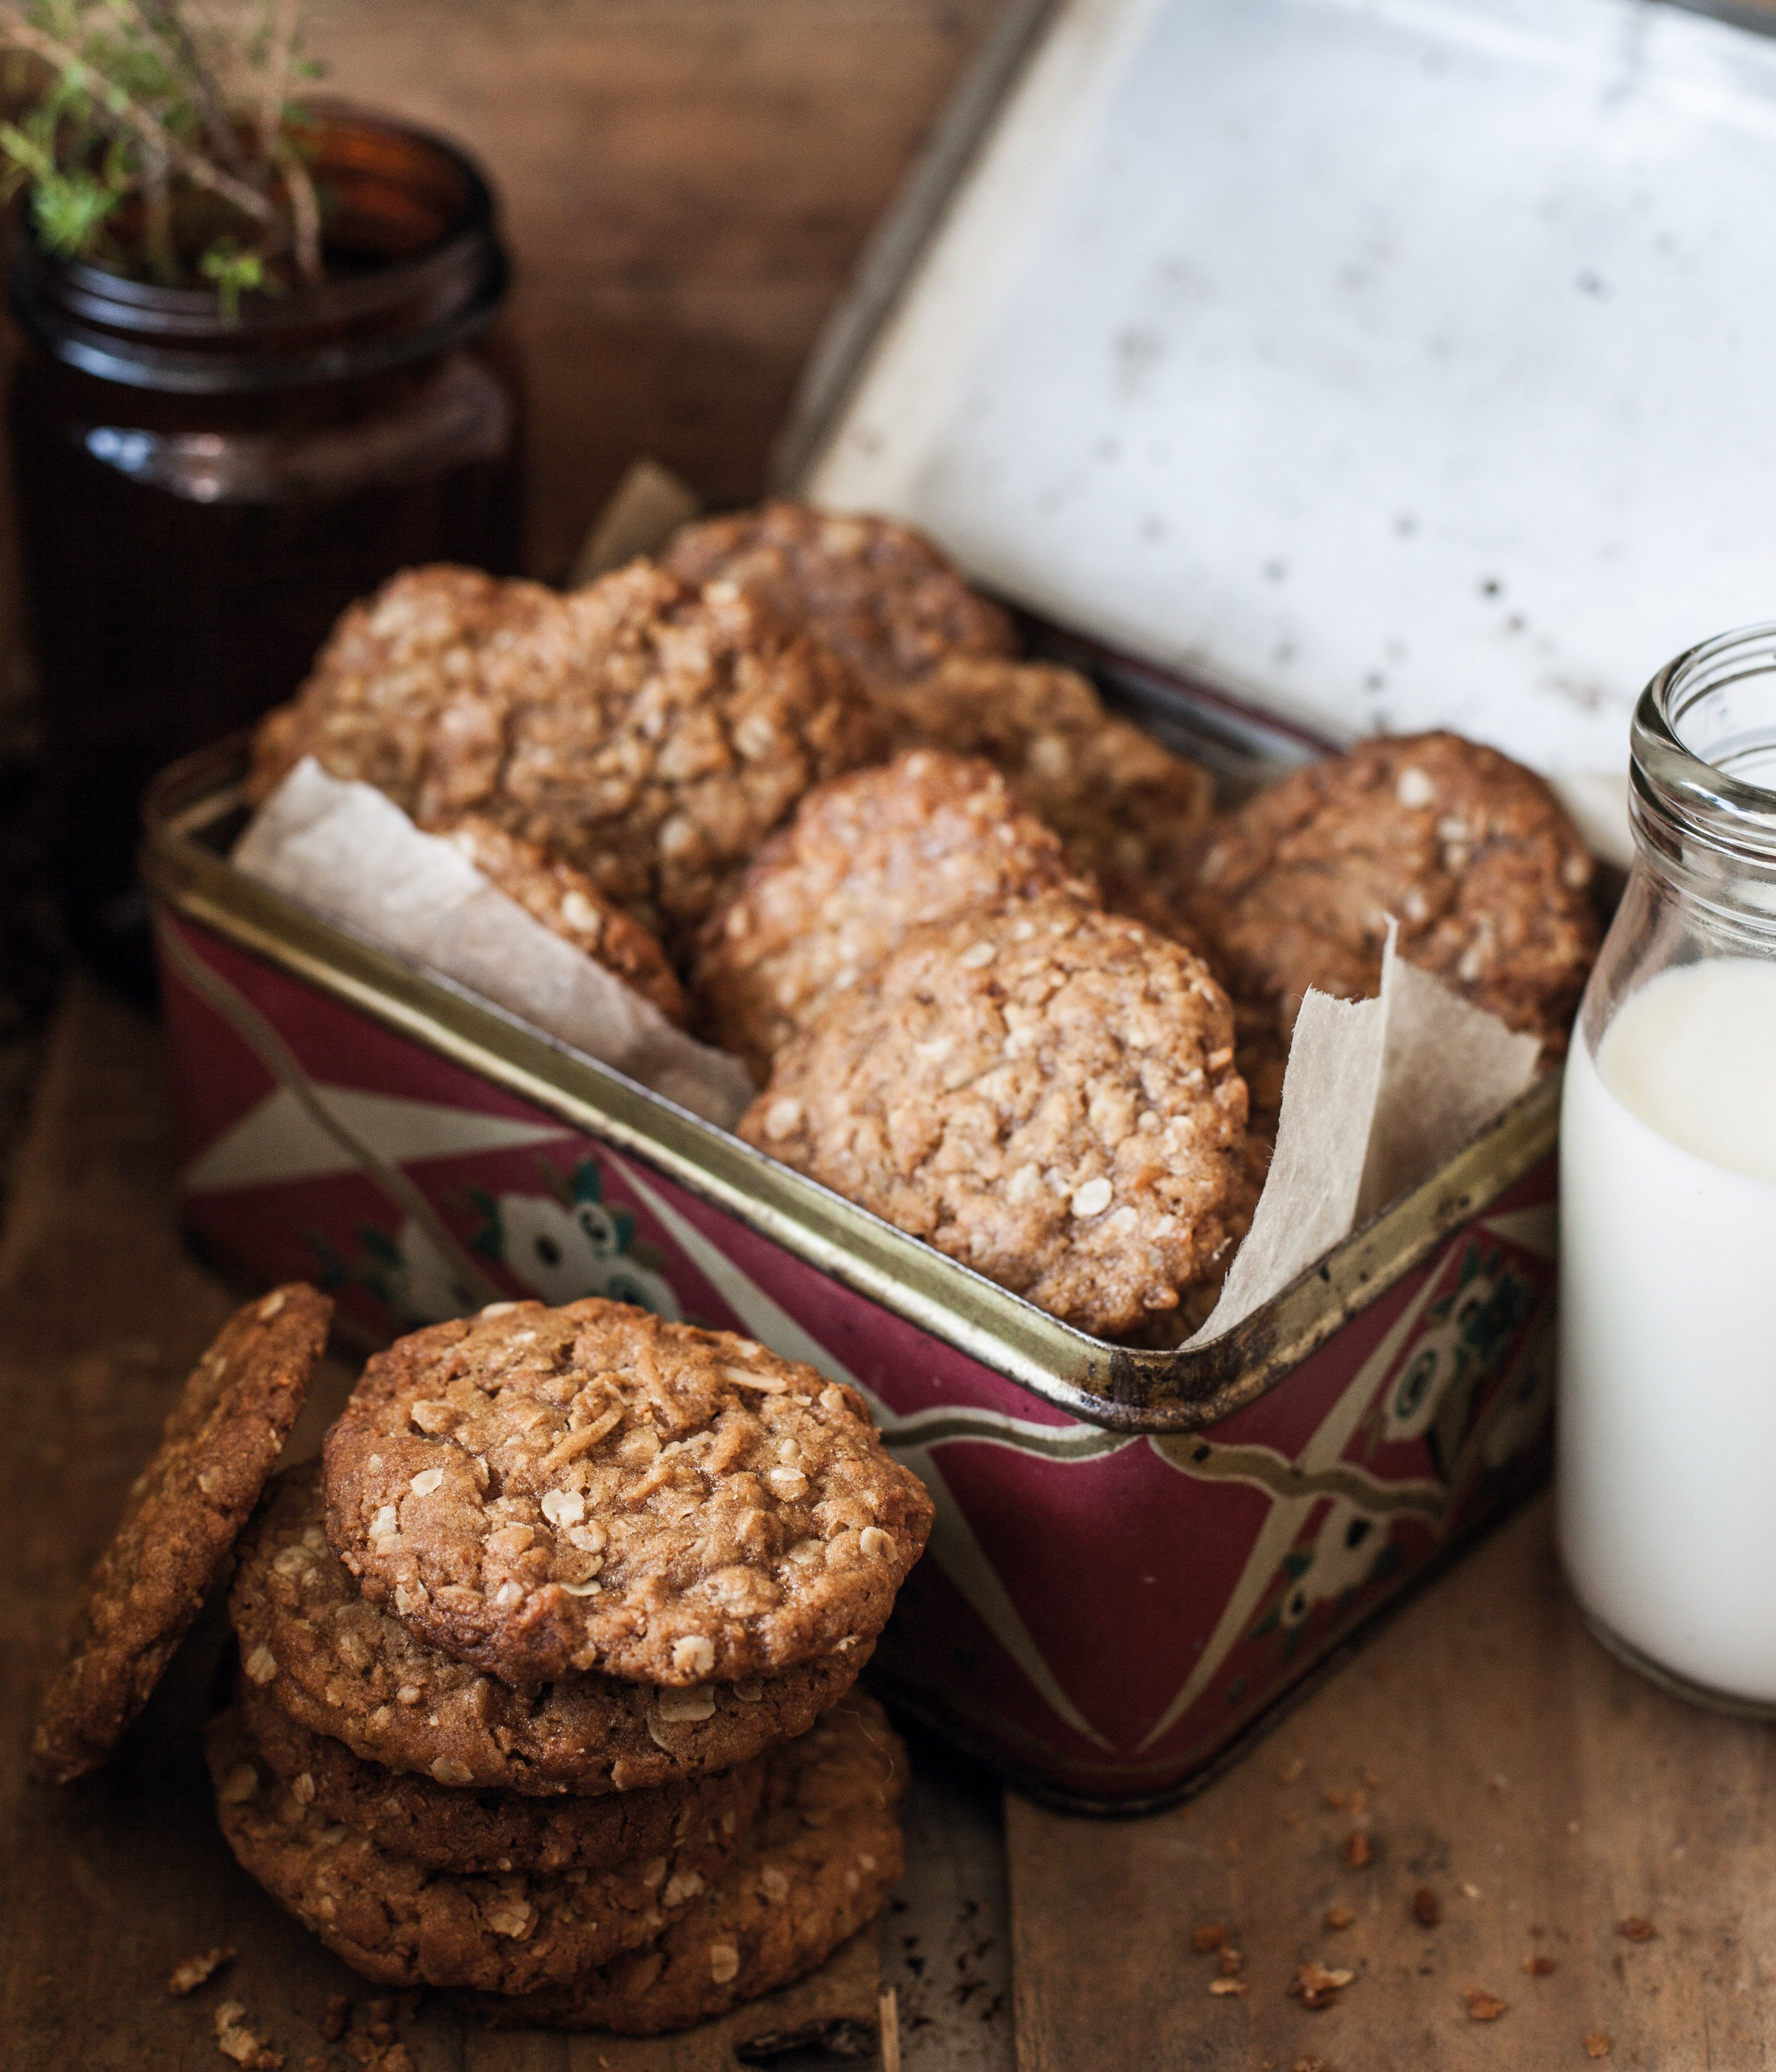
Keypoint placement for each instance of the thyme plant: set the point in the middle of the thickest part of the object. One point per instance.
(157, 138)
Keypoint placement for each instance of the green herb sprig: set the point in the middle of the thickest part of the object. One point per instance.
(159, 138)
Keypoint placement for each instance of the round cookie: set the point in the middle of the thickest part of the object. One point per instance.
(567, 902)
(1126, 807)
(341, 1668)
(881, 595)
(399, 1923)
(827, 1855)
(1470, 852)
(647, 735)
(184, 1511)
(868, 857)
(488, 1831)
(1046, 1092)
(540, 1491)
(378, 704)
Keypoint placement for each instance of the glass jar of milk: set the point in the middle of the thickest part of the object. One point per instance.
(1667, 1446)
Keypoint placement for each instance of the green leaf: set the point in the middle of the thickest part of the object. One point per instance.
(68, 207)
(235, 271)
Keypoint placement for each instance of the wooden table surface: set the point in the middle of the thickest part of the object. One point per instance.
(688, 183)
(1506, 1779)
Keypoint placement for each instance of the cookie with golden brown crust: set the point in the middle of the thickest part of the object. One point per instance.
(542, 1491)
(827, 1854)
(1470, 852)
(341, 1668)
(662, 733)
(184, 1511)
(402, 1924)
(1046, 1092)
(924, 838)
(567, 902)
(646, 734)
(390, 685)
(1126, 807)
(486, 1832)
(880, 594)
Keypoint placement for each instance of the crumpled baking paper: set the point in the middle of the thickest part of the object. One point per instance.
(1377, 1094)
(344, 849)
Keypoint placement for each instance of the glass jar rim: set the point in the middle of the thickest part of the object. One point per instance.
(419, 303)
(1691, 797)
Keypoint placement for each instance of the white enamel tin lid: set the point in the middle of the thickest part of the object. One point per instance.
(1387, 363)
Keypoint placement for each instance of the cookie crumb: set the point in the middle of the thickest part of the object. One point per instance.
(1339, 1917)
(1483, 2006)
(192, 1973)
(1538, 1966)
(1210, 1936)
(1357, 1850)
(1316, 1987)
(335, 2020)
(1231, 1962)
(1467, 1890)
(1221, 1986)
(1291, 1770)
(1632, 1928)
(1426, 1911)
(235, 2040)
(1596, 2043)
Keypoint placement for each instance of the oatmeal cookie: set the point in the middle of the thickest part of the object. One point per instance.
(401, 1924)
(183, 1513)
(449, 1829)
(648, 736)
(341, 1668)
(390, 690)
(1046, 1092)
(539, 1491)
(567, 902)
(827, 1855)
(1126, 807)
(1470, 852)
(878, 594)
(926, 837)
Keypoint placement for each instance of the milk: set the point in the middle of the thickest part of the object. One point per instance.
(1667, 1391)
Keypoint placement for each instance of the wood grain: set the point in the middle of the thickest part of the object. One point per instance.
(687, 185)
(1539, 1791)
(109, 1885)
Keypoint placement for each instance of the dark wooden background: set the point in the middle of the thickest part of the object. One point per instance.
(687, 185)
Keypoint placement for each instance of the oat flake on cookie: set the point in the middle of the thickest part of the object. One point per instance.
(537, 1491)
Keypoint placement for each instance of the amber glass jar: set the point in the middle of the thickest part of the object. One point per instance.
(198, 498)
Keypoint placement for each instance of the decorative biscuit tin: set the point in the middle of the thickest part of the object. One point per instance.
(1138, 1555)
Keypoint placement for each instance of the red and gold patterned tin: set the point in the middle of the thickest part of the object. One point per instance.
(1137, 1554)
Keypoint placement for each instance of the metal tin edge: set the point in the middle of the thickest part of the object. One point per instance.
(1113, 1387)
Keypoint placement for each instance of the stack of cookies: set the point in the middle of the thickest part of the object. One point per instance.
(545, 1690)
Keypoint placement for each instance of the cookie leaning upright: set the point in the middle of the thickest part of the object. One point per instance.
(1125, 806)
(537, 1491)
(926, 837)
(184, 1514)
(1046, 1092)
(1472, 855)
